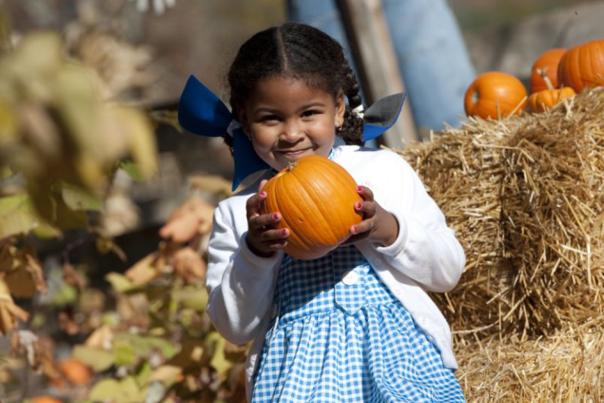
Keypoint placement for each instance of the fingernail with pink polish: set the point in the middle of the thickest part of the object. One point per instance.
(262, 194)
(358, 205)
(353, 229)
(276, 216)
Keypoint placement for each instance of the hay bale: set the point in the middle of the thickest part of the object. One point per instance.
(553, 209)
(463, 170)
(566, 367)
(523, 196)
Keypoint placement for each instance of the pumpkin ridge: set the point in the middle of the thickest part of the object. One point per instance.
(326, 214)
(282, 199)
(595, 73)
(309, 189)
(343, 181)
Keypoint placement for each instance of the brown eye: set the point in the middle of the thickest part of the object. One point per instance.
(269, 119)
(310, 112)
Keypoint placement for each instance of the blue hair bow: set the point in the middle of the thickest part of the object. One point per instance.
(201, 112)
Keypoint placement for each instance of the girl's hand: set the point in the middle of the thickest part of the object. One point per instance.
(378, 225)
(263, 237)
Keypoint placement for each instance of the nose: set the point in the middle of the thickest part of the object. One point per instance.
(292, 131)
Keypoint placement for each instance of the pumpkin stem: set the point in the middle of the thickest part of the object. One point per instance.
(291, 164)
(548, 82)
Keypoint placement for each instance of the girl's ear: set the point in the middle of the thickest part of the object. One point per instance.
(243, 121)
(340, 109)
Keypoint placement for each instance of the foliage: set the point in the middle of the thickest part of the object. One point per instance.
(148, 337)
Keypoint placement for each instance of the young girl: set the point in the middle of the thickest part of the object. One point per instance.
(357, 324)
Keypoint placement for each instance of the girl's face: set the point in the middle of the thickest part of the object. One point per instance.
(286, 119)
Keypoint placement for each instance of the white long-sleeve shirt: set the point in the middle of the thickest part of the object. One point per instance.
(425, 256)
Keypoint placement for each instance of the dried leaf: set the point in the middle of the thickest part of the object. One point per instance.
(26, 277)
(73, 278)
(167, 375)
(190, 355)
(193, 218)
(189, 265)
(144, 271)
(9, 312)
(101, 338)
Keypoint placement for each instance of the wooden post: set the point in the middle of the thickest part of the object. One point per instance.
(376, 62)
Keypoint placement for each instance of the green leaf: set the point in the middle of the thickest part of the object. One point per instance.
(131, 347)
(17, 215)
(219, 361)
(64, 296)
(132, 170)
(191, 297)
(125, 353)
(120, 283)
(144, 373)
(124, 391)
(96, 358)
(77, 198)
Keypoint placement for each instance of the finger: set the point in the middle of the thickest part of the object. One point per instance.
(278, 244)
(366, 209)
(364, 226)
(365, 193)
(261, 221)
(274, 235)
(254, 204)
(262, 184)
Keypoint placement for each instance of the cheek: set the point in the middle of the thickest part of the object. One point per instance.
(262, 139)
(324, 132)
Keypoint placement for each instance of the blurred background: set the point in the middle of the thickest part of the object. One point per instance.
(143, 51)
(201, 38)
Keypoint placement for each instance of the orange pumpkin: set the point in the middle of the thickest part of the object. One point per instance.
(546, 65)
(494, 95)
(315, 197)
(583, 66)
(44, 399)
(546, 99)
(75, 371)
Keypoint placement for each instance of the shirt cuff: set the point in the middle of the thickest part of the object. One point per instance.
(398, 245)
(256, 260)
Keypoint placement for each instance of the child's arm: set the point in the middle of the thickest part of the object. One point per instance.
(241, 283)
(425, 248)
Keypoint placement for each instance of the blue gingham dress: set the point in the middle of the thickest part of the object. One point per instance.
(339, 335)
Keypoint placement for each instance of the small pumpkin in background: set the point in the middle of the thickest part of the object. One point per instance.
(546, 65)
(543, 100)
(315, 197)
(44, 399)
(494, 94)
(75, 371)
(547, 99)
(583, 66)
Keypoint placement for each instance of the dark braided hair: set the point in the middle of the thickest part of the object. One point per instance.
(302, 52)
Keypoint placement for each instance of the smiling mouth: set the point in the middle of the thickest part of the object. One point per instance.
(293, 153)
